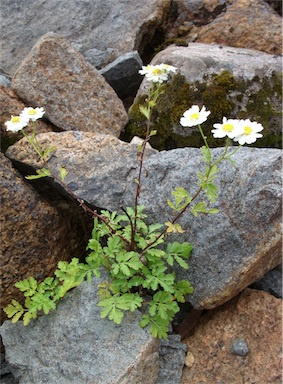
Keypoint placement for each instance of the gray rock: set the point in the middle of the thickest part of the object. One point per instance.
(240, 347)
(232, 249)
(73, 93)
(74, 345)
(271, 282)
(110, 27)
(199, 60)
(172, 356)
(252, 93)
(122, 74)
(5, 81)
(98, 58)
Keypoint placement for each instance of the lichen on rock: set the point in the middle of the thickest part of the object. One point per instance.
(224, 95)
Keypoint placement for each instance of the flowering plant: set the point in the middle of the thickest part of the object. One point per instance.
(135, 265)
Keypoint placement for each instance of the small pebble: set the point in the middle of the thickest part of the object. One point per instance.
(240, 347)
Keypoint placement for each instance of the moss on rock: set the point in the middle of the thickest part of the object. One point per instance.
(256, 99)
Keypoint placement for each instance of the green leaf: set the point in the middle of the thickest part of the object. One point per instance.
(63, 173)
(231, 161)
(154, 227)
(145, 321)
(116, 315)
(124, 268)
(27, 286)
(213, 210)
(145, 111)
(17, 316)
(171, 205)
(40, 173)
(11, 310)
(47, 151)
(181, 262)
(206, 154)
(28, 316)
(135, 281)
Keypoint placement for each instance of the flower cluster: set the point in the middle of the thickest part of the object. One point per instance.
(16, 123)
(157, 73)
(242, 131)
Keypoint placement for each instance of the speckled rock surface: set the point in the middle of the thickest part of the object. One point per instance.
(101, 30)
(199, 60)
(234, 82)
(232, 249)
(34, 234)
(74, 345)
(254, 316)
(74, 95)
(248, 24)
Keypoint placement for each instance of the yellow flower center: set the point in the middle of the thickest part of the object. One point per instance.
(195, 116)
(228, 127)
(248, 130)
(156, 71)
(15, 119)
(32, 112)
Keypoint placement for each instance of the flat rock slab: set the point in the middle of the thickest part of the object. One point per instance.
(74, 345)
(255, 317)
(73, 93)
(232, 249)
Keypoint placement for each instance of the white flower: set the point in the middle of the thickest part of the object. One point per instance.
(249, 132)
(194, 116)
(16, 123)
(168, 68)
(230, 128)
(157, 73)
(33, 113)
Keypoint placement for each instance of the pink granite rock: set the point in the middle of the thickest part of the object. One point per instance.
(74, 94)
(253, 316)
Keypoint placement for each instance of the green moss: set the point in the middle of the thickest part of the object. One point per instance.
(134, 111)
(215, 93)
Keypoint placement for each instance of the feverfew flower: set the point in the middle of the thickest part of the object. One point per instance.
(194, 116)
(16, 123)
(157, 73)
(230, 128)
(249, 132)
(168, 68)
(33, 113)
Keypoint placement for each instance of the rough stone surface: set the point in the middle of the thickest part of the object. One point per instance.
(271, 282)
(73, 93)
(122, 74)
(172, 355)
(102, 162)
(232, 249)
(34, 234)
(74, 345)
(199, 60)
(112, 28)
(253, 92)
(248, 24)
(11, 104)
(5, 81)
(254, 316)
